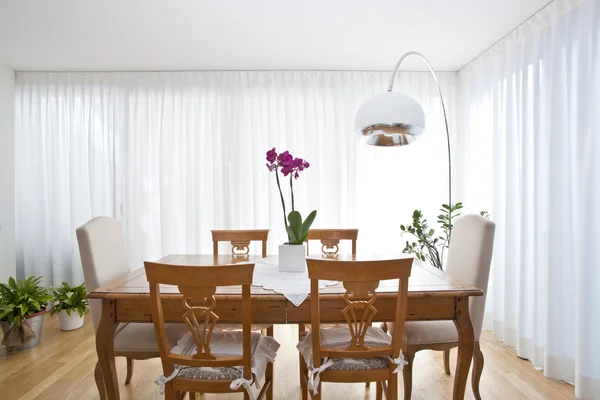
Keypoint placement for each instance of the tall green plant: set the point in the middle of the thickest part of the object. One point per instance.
(429, 247)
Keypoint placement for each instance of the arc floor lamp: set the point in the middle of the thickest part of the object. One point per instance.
(395, 119)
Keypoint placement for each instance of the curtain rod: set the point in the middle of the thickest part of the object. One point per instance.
(221, 70)
(505, 36)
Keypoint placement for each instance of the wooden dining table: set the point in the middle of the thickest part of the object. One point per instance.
(432, 295)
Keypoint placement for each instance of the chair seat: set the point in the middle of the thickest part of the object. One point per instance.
(428, 332)
(340, 337)
(228, 343)
(140, 337)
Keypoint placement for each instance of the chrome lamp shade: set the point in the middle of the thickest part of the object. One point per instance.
(390, 119)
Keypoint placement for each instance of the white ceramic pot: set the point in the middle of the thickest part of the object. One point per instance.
(69, 322)
(292, 258)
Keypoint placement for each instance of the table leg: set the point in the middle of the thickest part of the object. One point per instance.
(466, 342)
(105, 347)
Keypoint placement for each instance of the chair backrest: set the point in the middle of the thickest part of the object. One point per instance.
(198, 285)
(240, 240)
(469, 260)
(330, 239)
(360, 279)
(103, 254)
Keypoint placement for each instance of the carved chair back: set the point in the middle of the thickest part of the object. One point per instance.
(360, 279)
(330, 239)
(240, 240)
(198, 285)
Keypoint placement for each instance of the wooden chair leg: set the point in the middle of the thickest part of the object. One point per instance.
(192, 395)
(392, 392)
(99, 381)
(379, 393)
(318, 395)
(407, 375)
(302, 367)
(170, 394)
(447, 361)
(129, 371)
(269, 372)
(367, 384)
(477, 370)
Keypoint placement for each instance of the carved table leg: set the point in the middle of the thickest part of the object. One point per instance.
(99, 381)
(105, 339)
(466, 342)
(477, 370)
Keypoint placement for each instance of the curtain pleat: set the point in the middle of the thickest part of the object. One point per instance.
(176, 154)
(530, 125)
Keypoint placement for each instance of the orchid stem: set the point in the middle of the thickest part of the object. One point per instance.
(282, 202)
(292, 190)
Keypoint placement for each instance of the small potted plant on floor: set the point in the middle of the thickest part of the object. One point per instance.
(292, 254)
(71, 305)
(22, 307)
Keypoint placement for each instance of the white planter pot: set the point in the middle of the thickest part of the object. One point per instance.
(69, 322)
(292, 258)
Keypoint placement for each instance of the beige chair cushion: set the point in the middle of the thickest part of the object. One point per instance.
(139, 337)
(228, 343)
(428, 332)
(340, 338)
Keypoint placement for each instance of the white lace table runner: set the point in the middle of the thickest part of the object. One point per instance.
(295, 286)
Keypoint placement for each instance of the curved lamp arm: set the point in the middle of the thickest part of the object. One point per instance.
(435, 78)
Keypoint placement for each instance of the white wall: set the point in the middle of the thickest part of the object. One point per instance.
(7, 173)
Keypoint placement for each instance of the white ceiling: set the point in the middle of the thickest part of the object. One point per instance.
(120, 35)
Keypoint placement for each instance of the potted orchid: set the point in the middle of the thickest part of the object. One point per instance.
(292, 254)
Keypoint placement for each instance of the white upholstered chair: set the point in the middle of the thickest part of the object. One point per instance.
(104, 258)
(469, 259)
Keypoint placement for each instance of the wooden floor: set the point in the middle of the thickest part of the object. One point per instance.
(61, 367)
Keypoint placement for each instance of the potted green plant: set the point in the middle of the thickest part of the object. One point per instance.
(22, 307)
(71, 305)
(292, 254)
(428, 247)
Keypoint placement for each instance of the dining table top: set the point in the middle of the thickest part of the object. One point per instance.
(424, 280)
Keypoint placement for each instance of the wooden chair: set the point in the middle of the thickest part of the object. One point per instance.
(201, 362)
(104, 258)
(240, 240)
(240, 246)
(358, 352)
(469, 259)
(330, 239)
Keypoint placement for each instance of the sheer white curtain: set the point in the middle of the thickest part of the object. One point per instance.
(531, 144)
(175, 155)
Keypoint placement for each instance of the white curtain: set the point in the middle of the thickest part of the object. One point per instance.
(531, 133)
(175, 155)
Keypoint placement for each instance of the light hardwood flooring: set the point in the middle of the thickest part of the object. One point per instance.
(62, 366)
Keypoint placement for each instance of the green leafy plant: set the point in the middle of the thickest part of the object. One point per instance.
(70, 298)
(428, 247)
(298, 230)
(19, 299)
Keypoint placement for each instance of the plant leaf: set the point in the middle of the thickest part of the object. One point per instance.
(295, 220)
(307, 223)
